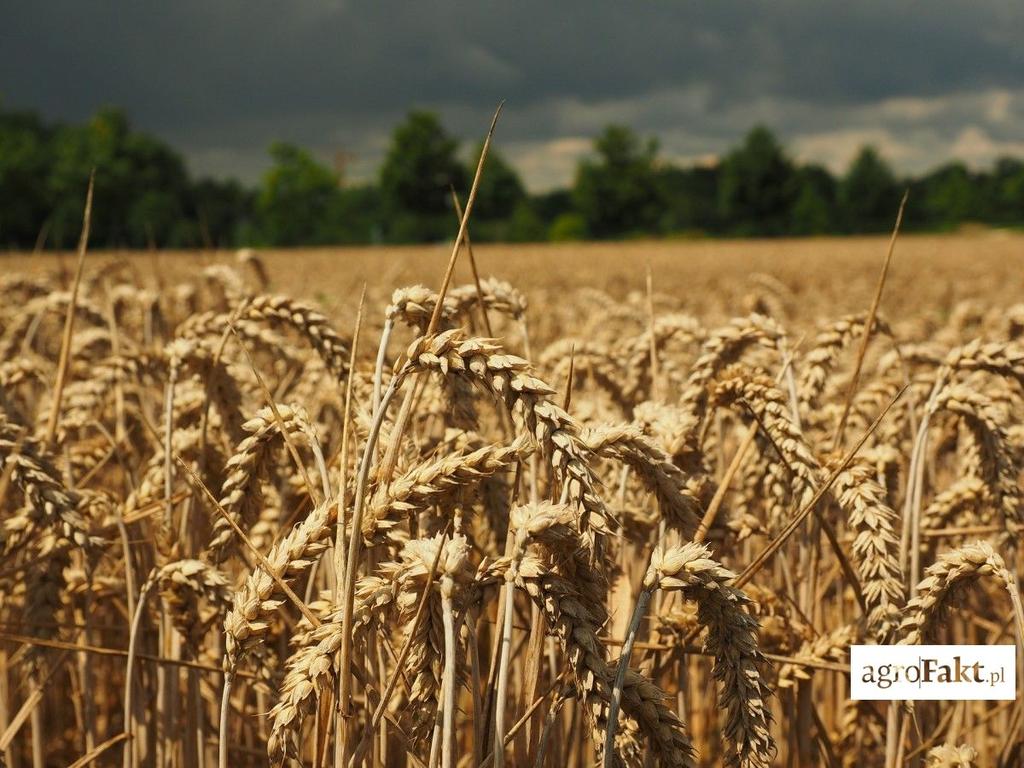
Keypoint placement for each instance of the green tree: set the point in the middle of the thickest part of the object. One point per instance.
(359, 218)
(223, 211)
(416, 178)
(951, 196)
(500, 198)
(616, 192)
(299, 200)
(757, 186)
(690, 197)
(814, 210)
(869, 195)
(566, 227)
(552, 204)
(141, 192)
(526, 225)
(1006, 184)
(24, 157)
(500, 189)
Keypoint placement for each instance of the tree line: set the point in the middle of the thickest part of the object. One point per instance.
(145, 197)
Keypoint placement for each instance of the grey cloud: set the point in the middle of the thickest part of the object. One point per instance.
(223, 79)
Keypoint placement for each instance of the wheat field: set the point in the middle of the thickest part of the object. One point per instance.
(614, 504)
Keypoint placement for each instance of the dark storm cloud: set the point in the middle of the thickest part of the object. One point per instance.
(223, 79)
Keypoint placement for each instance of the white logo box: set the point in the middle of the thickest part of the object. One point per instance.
(933, 672)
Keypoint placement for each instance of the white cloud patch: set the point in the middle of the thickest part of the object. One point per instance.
(914, 134)
(837, 149)
(976, 147)
(548, 164)
(546, 140)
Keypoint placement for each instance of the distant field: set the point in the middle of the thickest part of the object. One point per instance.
(934, 270)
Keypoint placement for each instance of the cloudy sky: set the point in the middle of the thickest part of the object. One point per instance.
(221, 79)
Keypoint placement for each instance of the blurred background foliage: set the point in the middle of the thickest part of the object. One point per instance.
(145, 196)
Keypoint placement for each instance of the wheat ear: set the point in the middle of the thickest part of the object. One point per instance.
(731, 639)
(945, 581)
(948, 756)
(527, 399)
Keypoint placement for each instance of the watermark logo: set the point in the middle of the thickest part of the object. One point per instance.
(933, 672)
